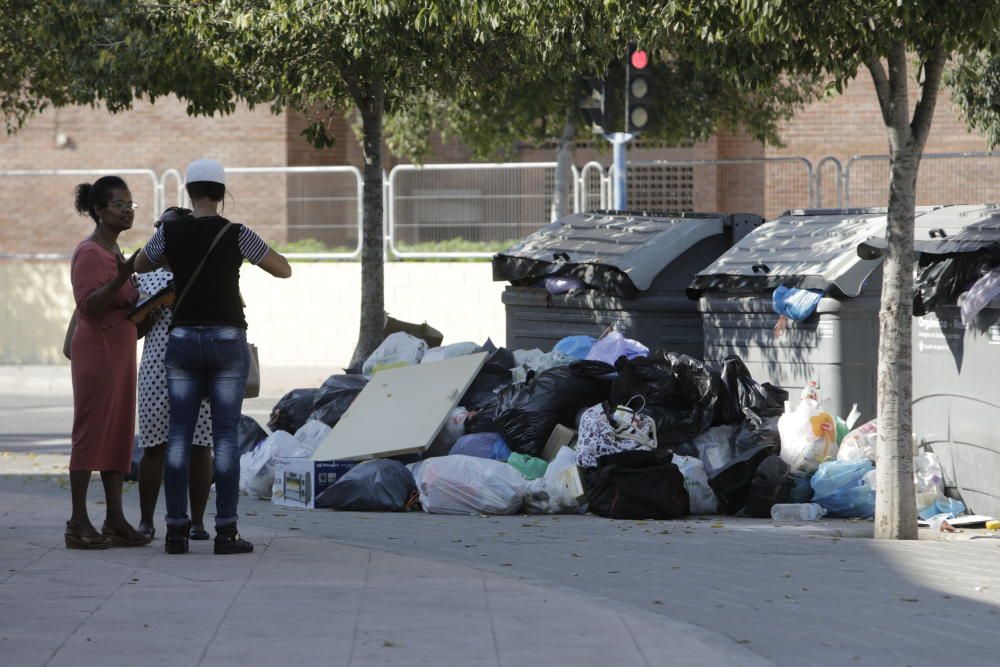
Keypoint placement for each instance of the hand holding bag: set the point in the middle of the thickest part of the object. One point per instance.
(252, 389)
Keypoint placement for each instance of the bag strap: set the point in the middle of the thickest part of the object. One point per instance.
(215, 241)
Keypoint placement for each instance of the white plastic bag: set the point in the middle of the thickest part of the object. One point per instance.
(714, 448)
(256, 469)
(461, 484)
(309, 437)
(928, 476)
(859, 443)
(559, 491)
(256, 472)
(700, 494)
(808, 436)
(453, 429)
(448, 352)
(398, 349)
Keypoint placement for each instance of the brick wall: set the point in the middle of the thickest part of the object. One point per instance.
(36, 213)
(851, 124)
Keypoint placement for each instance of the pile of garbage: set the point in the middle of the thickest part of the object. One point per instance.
(603, 426)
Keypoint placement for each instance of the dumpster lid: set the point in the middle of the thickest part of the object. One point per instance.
(619, 252)
(810, 248)
(948, 229)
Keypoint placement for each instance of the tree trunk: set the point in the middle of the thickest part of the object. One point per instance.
(564, 161)
(372, 244)
(895, 505)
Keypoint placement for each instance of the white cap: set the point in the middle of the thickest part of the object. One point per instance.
(205, 170)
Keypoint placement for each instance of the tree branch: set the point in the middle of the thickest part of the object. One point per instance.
(882, 90)
(923, 113)
(898, 86)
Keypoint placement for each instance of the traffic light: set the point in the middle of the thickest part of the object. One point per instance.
(592, 104)
(639, 90)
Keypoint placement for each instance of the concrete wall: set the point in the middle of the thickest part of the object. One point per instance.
(308, 320)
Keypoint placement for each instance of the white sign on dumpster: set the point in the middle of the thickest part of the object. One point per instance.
(400, 410)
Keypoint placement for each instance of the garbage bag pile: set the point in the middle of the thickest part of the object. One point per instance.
(947, 279)
(603, 426)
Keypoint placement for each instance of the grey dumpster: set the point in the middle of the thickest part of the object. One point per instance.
(838, 345)
(956, 390)
(635, 265)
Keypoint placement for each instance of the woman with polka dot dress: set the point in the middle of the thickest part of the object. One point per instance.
(154, 417)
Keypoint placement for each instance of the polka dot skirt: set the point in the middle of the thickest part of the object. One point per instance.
(154, 404)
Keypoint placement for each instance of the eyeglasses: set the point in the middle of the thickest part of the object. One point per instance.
(123, 206)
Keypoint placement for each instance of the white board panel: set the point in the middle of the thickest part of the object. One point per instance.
(401, 410)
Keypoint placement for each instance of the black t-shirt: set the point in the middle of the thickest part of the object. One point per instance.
(214, 298)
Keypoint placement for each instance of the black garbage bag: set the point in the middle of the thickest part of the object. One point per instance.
(772, 484)
(681, 393)
(755, 431)
(379, 485)
(941, 278)
(250, 434)
(483, 419)
(637, 485)
(732, 482)
(293, 410)
(743, 392)
(527, 413)
(335, 395)
(494, 374)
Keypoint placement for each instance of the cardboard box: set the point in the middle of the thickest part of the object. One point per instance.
(559, 438)
(297, 481)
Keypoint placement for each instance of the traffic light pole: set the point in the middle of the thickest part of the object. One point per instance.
(619, 142)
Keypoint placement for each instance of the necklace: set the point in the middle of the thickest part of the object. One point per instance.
(112, 248)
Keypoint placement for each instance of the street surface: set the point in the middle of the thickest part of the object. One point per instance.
(413, 589)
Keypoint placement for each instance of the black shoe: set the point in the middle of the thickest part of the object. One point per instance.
(228, 541)
(199, 534)
(176, 541)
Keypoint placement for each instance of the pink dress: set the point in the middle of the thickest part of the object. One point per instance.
(103, 366)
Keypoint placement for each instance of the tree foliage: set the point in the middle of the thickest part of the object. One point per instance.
(837, 39)
(975, 84)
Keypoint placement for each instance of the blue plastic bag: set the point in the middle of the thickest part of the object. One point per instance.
(839, 488)
(575, 346)
(943, 506)
(482, 445)
(794, 303)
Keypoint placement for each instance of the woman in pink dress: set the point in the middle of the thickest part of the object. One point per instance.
(103, 365)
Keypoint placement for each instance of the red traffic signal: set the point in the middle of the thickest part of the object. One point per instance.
(639, 59)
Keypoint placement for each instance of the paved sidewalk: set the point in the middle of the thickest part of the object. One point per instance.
(303, 597)
(413, 589)
(410, 589)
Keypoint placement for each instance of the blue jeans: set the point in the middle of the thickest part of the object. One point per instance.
(204, 361)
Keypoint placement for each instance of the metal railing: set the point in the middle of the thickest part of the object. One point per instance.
(486, 205)
(943, 178)
(829, 163)
(322, 204)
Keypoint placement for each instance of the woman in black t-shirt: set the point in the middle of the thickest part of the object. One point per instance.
(207, 353)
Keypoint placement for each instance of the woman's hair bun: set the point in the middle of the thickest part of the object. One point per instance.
(83, 194)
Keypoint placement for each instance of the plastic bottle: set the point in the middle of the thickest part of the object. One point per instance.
(796, 512)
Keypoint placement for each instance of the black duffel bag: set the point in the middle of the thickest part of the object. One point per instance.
(637, 485)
